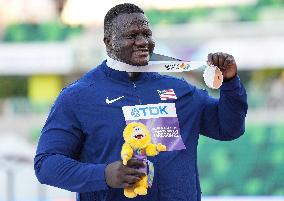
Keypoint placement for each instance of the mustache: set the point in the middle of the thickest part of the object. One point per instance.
(141, 49)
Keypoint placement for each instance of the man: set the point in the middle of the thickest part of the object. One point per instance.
(79, 149)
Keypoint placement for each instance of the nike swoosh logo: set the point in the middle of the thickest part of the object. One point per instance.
(113, 100)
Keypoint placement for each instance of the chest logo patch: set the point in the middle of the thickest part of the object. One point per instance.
(113, 100)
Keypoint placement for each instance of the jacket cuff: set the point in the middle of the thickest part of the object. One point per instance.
(98, 175)
(231, 84)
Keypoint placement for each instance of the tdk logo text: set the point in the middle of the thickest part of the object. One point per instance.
(149, 111)
(146, 111)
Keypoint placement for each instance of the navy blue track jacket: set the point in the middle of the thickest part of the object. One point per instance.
(83, 133)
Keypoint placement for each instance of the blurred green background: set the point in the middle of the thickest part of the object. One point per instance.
(251, 165)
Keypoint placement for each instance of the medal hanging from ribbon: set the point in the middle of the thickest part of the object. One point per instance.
(212, 75)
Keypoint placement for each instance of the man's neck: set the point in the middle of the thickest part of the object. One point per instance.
(133, 76)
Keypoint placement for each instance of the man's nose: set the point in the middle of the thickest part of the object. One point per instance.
(141, 40)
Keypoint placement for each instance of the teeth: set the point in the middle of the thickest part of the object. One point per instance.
(142, 50)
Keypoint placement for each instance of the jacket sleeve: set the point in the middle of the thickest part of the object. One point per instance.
(56, 162)
(224, 119)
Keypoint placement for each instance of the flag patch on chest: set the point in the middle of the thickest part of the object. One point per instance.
(168, 94)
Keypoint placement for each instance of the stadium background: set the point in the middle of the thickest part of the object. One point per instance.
(46, 44)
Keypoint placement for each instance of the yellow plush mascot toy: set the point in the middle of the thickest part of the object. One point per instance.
(138, 145)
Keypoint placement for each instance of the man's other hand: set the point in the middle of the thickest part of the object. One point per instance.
(120, 176)
(225, 62)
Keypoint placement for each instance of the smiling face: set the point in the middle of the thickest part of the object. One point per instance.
(130, 40)
(137, 135)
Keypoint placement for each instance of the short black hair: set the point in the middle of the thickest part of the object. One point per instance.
(116, 11)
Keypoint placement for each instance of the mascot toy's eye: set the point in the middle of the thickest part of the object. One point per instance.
(137, 129)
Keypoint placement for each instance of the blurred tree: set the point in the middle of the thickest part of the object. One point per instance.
(21, 32)
(270, 2)
(247, 13)
(177, 16)
(49, 31)
(262, 76)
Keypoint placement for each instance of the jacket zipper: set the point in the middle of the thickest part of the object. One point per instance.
(134, 86)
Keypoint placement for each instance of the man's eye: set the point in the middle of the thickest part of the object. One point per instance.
(131, 36)
(148, 35)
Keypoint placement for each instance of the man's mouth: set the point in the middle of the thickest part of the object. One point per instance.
(142, 51)
(141, 56)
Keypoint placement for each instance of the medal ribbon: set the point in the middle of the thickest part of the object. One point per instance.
(212, 75)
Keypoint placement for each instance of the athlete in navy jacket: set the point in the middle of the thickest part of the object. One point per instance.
(79, 149)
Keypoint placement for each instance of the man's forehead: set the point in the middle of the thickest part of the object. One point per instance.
(124, 21)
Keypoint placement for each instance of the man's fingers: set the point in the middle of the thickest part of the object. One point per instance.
(210, 59)
(229, 60)
(222, 57)
(130, 179)
(135, 163)
(215, 59)
(225, 62)
(134, 172)
(126, 185)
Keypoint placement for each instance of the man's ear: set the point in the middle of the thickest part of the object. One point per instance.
(107, 41)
